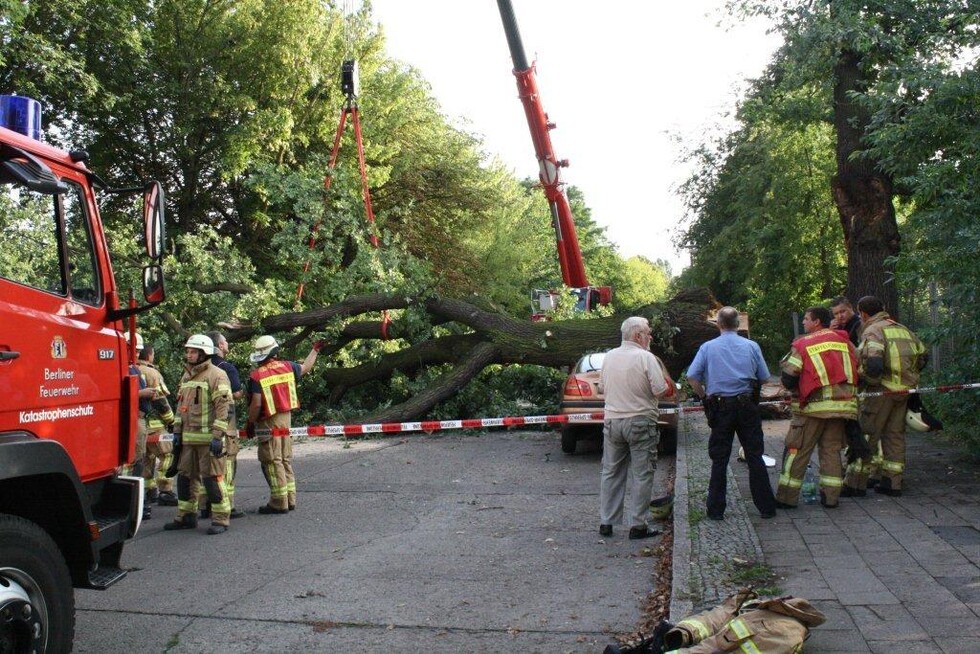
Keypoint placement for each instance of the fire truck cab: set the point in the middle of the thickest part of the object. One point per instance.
(68, 395)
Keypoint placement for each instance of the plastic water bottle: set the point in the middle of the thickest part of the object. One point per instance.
(810, 490)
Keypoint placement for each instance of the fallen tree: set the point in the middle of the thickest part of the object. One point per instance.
(490, 337)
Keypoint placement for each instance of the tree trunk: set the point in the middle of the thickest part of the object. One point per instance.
(679, 326)
(863, 194)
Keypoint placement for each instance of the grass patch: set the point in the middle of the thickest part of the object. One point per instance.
(758, 576)
(695, 516)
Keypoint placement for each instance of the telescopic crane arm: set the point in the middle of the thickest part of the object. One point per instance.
(569, 253)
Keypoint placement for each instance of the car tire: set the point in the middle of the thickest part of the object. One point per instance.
(32, 567)
(668, 441)
(569, 440)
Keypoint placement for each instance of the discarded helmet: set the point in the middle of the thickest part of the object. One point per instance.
(201, 342)
(915, 422)
(265, 347)
(139, 341)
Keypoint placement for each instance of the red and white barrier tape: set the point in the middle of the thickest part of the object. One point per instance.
(429, 426)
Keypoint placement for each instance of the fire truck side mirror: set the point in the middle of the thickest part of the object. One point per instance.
(153, 225)
(153, 290)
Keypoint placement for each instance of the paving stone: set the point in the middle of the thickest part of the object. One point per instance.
(891, 574)
(959, 645)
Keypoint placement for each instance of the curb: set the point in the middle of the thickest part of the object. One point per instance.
(705, 550)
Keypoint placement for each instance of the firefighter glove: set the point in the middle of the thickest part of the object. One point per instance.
(178, 439)
(319, 345)
(216, 446)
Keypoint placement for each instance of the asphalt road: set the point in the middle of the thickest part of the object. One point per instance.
(439, 544)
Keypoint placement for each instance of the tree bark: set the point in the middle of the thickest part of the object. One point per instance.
(862, 193)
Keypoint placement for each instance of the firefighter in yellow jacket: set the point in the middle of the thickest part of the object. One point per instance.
(158, 453)
(822, 370)
(891, 357)
(199, 433)
(272, 398)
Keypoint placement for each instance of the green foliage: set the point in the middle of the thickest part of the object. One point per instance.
(765, 236)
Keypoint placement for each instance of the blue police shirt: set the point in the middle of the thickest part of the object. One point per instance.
(727, 365)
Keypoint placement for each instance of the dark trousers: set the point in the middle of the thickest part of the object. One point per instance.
(729, 416)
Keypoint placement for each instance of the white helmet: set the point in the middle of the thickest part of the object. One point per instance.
(201, 342)
(139, 341)
(915, 422)
(265, 347)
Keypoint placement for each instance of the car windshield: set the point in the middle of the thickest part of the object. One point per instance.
(590, 362)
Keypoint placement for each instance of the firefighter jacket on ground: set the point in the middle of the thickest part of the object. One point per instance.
(202, 404)
(744, 623)
(826, 364)
(902, 352)
(276, 381)
(160, 413)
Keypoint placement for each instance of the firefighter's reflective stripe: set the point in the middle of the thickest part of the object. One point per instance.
(744, 634)
(899, 340)
(277, 383)
(895, 467)
(785, 479)
(701, 630)
(831, 482)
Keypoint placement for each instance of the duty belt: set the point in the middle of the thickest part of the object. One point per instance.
(730, 399)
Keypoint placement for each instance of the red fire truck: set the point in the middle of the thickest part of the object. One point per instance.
(68, 396)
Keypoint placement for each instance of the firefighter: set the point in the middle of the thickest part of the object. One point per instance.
(199, 434)
(158, 453)
(272, 399)
(231, 438)
(891, 357)
(821, 369)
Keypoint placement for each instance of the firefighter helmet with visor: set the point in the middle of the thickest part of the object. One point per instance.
(201, 342)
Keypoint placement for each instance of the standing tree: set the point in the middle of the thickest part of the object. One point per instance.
(854, 43)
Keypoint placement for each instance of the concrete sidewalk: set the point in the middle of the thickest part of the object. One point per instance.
(891, 574)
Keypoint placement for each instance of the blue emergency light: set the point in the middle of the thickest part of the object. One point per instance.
(21, 114)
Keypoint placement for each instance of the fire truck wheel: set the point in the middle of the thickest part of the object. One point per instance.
(37, 604)
(569, 439)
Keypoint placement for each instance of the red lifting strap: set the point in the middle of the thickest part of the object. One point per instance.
(365, 192)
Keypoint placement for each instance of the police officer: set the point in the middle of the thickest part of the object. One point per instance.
(199, 432)
(891, 357)
(727, 372)
(821, 368)
(272, 398)
(159, 417)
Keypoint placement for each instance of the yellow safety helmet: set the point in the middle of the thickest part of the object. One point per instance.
(264, 347)
(915, 422)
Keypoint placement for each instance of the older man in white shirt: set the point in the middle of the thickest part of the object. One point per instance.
(633, 382)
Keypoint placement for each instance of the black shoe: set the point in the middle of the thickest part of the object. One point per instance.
(189, 521)
(716, 516)
(152, 495)
(605, 530)
(267, 509)
(167, 498)
(236, 513)
(217, 529)
(850, 491)
(784, 505)
(636, 533)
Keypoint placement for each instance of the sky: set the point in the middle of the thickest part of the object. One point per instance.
(630, 84)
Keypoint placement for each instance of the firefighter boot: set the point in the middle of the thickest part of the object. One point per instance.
(167, 498)
(217, 529)
(885, 488)
(188, 521)
(152, 495)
